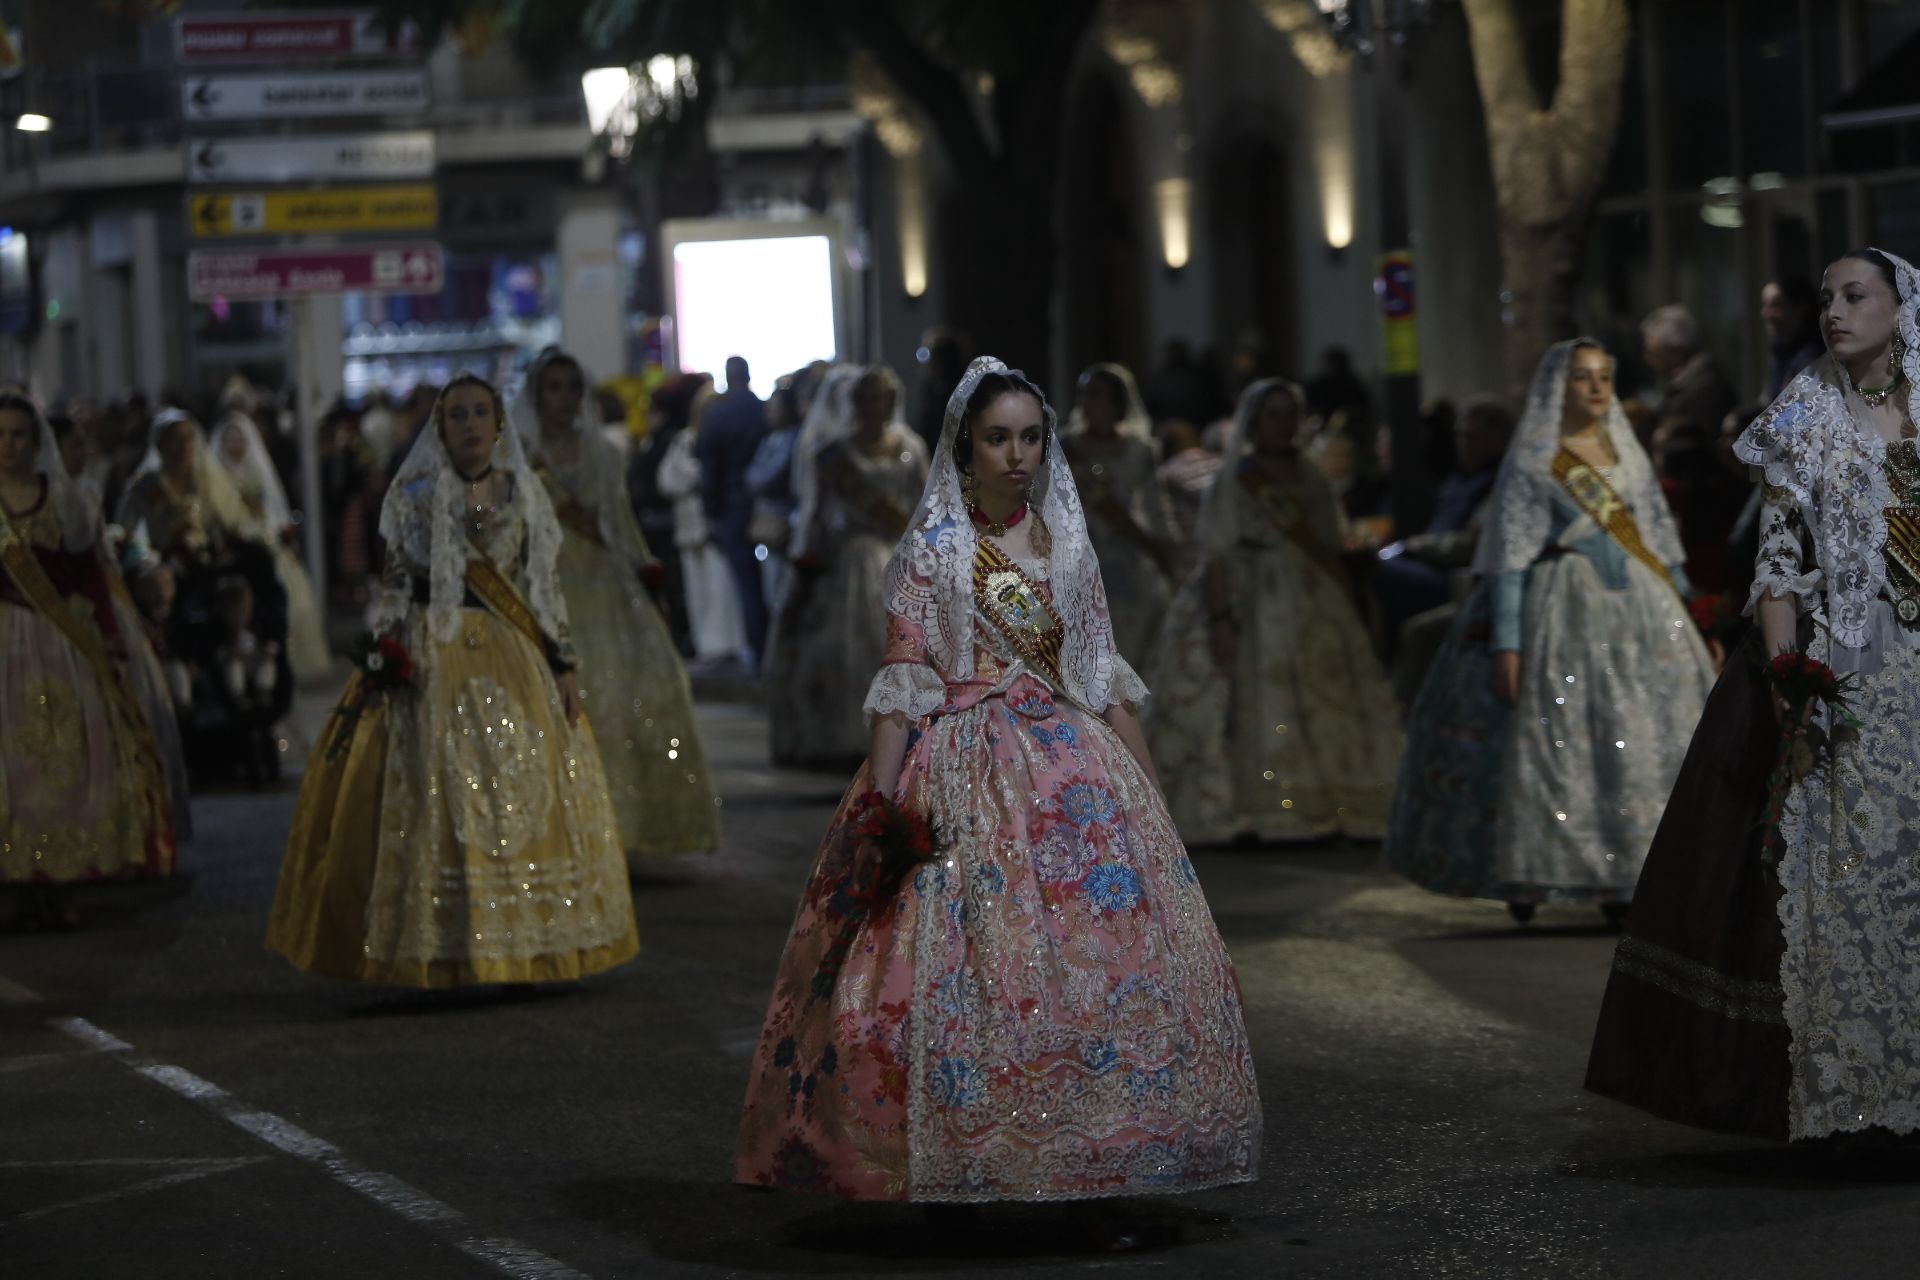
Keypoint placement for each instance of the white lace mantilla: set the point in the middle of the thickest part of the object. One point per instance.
(1817, 457)
(930, 579)
(1520, 508)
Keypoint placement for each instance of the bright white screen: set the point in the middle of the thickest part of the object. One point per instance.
(768, 300)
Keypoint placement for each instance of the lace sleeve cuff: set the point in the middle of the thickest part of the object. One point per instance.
(911, 689)
(1802, 588)
(1126, 685)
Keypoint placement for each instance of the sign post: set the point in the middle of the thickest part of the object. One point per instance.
(292, 35)
(362, 157)
(342, 211)
(298, 273)
(305, 95)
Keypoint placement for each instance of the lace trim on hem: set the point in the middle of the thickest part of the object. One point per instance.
(1740, 999)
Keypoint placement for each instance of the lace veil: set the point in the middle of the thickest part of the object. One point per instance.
(598, 480)
(1219, 524)
(216, 489)
(78, 521)
(256, 466)
(1520, 508)
(423, 520)
(930, 577)
(1135, 422)
(829, 420)
(1811, 443)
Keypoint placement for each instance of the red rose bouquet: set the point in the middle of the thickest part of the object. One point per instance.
(381, 664)
(889, 844)
(1803, 685)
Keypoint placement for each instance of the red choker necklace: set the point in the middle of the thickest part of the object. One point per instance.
(998, 528)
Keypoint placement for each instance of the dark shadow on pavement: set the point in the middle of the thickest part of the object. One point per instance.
(775, 1232)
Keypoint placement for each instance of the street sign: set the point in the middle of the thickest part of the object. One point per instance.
(299, 273)
(304, 95)
(291, 35)
(312, 157)
(414, 207)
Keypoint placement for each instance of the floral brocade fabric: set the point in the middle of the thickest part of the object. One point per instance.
(1044, 1012)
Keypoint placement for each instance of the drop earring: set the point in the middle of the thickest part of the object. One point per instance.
(969, 488)
(1896, 357)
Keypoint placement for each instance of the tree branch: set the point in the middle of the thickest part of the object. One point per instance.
(1586, 106)
(1500, 60)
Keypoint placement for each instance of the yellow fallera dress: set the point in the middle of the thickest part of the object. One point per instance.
(631, 678)
(83, 792)
(457, 831)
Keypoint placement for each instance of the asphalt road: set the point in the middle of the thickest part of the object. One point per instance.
(174, 1102)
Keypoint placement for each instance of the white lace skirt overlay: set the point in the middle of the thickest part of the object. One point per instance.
(1612, 684)
(1850, 901)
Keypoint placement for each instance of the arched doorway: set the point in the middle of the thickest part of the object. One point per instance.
(1105, 252)
(1250, 235)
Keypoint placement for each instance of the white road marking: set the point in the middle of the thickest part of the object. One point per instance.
(184, 1170)
(12, 992)
(509, 1257)
(91, 1036)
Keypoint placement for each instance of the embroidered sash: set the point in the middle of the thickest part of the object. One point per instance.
(1590, 490)
(1008, 599)
(133, 741)
(573, 517)
(1903, 531)
(499, 594)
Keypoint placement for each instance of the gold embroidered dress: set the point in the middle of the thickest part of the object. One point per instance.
(632, 680)
(83, 793)
(458, 831)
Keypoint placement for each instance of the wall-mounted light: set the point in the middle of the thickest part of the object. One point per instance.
(1334, 162)
(32, 122)
(910, 198)
(1173, 200)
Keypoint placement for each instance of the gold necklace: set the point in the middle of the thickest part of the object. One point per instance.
(1877, 396)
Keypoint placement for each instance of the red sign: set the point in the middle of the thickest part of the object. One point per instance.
(292, 35)
(299, 273)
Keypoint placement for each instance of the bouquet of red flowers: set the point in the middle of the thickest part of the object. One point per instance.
(1804, 685)
(890, 843)
(381, 664)
(1716, 618)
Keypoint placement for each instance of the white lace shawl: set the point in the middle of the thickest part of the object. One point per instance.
(930, 580)
(598, 478)
(254, 470)
(1812, 445)
(79, 522)
(1520, 510)
(1135, 422)
(423, 521)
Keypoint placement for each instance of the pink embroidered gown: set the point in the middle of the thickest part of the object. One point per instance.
(1045, 1011)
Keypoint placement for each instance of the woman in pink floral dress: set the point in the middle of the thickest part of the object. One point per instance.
(1043, 1011)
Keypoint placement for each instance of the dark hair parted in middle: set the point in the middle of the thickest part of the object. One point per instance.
(992, 386)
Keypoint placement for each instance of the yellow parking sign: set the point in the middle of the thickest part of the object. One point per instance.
(339, 210)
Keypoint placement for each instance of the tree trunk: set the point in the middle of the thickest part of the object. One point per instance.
(1540, 264)
(1547, 162)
